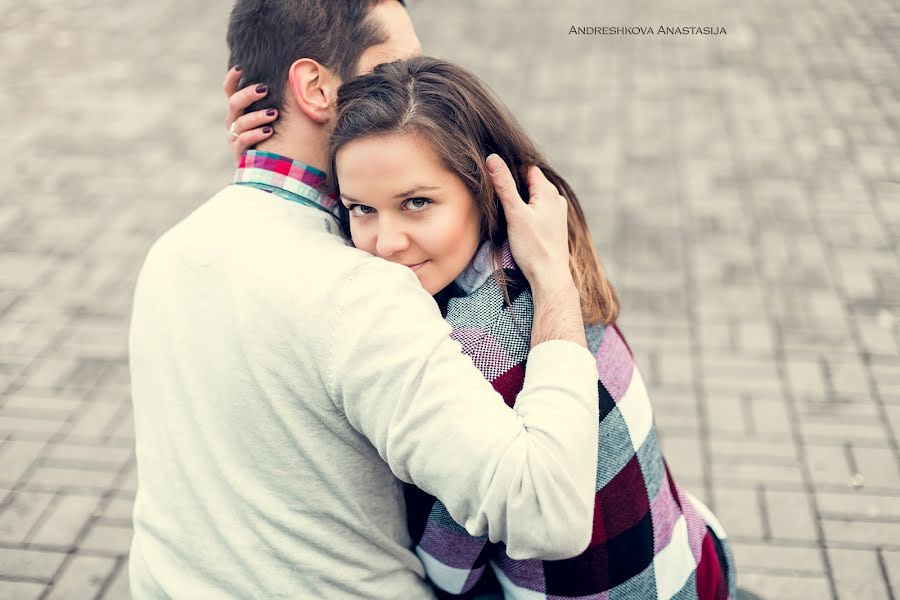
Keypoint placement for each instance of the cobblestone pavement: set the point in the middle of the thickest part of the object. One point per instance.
(744, 191)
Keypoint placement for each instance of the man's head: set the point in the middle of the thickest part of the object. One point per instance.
(292, 45)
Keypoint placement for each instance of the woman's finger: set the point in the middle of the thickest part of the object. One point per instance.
(249, 139)
(539, 186)
(232, 80)
(251, 129)
(241, 100)
(504, 184)
(253, 120)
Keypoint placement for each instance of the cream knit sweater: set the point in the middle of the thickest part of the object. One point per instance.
(283, 382)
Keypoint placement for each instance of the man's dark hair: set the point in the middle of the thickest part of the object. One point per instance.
(265, 37)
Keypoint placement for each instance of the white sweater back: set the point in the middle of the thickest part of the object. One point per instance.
(283, 381)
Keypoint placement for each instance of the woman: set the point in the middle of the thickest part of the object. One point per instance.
(407, 154)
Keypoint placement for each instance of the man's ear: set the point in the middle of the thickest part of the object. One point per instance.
(313, 89)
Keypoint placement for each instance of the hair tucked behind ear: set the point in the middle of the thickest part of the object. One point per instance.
(457, 114)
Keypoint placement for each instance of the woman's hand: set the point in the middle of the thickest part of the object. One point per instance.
(245, 131)
(538, 231)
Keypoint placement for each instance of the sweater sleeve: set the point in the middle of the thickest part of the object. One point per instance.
(524, 476)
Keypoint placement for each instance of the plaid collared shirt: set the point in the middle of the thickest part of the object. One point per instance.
(290, 179)
(651, 539)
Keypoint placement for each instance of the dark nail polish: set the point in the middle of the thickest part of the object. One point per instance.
(267, 130)
(262, 88)
(237, 68)
(270, 112)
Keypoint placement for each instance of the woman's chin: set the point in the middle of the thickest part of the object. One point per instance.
(431, 289)
(431, 286)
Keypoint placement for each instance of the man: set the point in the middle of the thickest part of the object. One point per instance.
(283, 381)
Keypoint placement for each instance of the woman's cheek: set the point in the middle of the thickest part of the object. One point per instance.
(358, 236)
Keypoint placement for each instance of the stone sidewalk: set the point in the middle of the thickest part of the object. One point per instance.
(744, 192)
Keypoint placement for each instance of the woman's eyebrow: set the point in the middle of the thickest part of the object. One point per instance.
(409, 192)
(416, 190)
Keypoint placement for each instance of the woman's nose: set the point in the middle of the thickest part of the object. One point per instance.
(391, 239)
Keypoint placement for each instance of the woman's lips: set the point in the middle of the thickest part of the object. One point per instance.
(417, 266)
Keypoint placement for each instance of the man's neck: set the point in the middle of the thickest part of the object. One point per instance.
(303, 144)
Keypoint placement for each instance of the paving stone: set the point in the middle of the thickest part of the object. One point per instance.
(892, 566)
(125, 428)
(789, 515)
(739, 510)
(20, 514)
(20, 272)
(859, 503)
(31, 564)
(98, 339)
(107, 538)
(51, 405)
(752, 448)
(65, 478)
(50, 372)
(856, 567)
(785, 586)
(675, 369)
(808, 379)
(735, 469)
(128, 482)
(866, 533)
(770, 417)
(41, 427)
(65, 521)
(878, 466)
(829, 464)
(84, 576)
(17, 456)
(68, 454)
(767, 558)
(683, 456)
(20, 590)
(729, 414)
(834, 410)
(119, 509)
(818, 430)
(740, 370)
(118, 588)
(95, 421)
(871, 590)
(876, 339)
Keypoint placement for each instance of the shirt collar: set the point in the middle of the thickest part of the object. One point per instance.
(276, 173)
(483, 265)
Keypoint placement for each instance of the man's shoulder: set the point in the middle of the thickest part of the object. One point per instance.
(383, 292)
(258, 245)
(244, 226)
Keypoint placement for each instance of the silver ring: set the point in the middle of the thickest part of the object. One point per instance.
(234, 134)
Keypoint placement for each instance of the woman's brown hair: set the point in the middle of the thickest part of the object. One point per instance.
(463, 121)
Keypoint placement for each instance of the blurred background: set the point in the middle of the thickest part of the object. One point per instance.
(743, 190)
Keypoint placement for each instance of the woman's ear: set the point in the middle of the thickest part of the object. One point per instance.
(313, 89)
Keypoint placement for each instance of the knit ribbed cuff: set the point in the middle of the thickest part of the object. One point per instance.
(557, 361)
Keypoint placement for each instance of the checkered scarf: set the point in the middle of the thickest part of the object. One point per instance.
(651, 539)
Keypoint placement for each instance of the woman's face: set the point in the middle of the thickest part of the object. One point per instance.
(407, 207)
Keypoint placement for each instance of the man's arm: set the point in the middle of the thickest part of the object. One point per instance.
(525, 476)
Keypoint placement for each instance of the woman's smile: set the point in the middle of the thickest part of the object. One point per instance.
(417, 266)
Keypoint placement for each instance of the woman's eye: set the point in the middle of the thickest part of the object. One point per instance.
(417, 203)
(360, 210)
